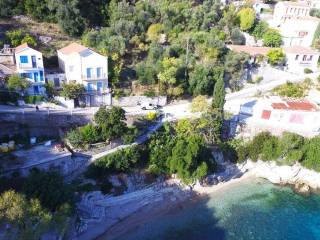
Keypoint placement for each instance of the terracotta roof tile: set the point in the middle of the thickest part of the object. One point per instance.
(21, 47)
(295, 105)
(299, 50)
(72, 48)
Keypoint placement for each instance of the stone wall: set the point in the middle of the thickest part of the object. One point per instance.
(34, 124)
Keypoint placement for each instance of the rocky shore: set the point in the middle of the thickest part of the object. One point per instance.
(303, 180)
(99, 213)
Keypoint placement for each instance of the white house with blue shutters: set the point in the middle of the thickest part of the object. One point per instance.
(83, 65)
(29, 64)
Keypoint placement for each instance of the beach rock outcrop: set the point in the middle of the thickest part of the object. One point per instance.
(292, 175)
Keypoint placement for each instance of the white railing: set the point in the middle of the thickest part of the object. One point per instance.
(94, 77)
(28, 66)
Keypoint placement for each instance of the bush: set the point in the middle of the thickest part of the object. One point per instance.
(130, 135)
(75, 138)
(119, 161)
(89, 134)
(307, 70)
(294, 90)
(293, 156)
(271, 149)
(255, 147)
(33, 99)
(312, 154)
(199, 104)
(8, 97)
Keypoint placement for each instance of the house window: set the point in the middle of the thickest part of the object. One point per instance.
(297, 57)
(23, 59)
(56, 82)
(41, 76)
(90, 86)
(304, 58)
(99, 72)
(36, 76)
(89, 71)
(70, 68)
(99, 86)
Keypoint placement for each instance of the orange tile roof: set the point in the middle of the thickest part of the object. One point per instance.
(295, 105)
(21, 47)
(72, 48)
(299, 50)
(279, 106)
(249, 49)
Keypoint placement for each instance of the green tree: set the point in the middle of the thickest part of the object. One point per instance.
(159, 149)
(17, 83)
(14, 37)
(29, 218)
(38, 9)
(272, 38)
(210, 125)
(154, 31)
(170, 67)
(72, 90)
(9, 8)
(189, 158)
(237, 37)
(111, 122)
(203, 78)
(49, 188)
(276, 56)
(31, 41)
(260, 29)
(218, 99)
(247, 17)
(69, 17)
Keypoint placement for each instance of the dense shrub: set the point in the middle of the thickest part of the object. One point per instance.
(255, 147)
(75, 138)
(49, 188)
(307, 70)
(199, 104)
(311, 157)
(289, 89)
(33, 99)
(271, 149)
(130, 135)
(8, 97)
(120, 161)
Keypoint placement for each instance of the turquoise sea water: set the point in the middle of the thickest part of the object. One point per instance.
(254, 209)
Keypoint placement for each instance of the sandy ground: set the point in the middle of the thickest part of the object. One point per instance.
(152, 211)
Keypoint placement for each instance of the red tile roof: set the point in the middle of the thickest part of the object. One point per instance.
(295, 105)
(21, 47)
(249, 49)
(299, 50)
(72, 48)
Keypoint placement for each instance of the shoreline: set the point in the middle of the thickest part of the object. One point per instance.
(124, 213)
(172, 201)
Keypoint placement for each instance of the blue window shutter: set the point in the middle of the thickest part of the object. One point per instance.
(29, 75)
(88, 72)
(99, 70)
(41, 75)
(36, 76)
(23, 59)
(99, 86)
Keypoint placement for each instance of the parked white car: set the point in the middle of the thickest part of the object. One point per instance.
(149, 106)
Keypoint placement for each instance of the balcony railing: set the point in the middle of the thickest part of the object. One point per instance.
(29, 66)
(94, 77)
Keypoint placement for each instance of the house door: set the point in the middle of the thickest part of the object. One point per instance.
(35, 76)
(34, 61)
(36, 90)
